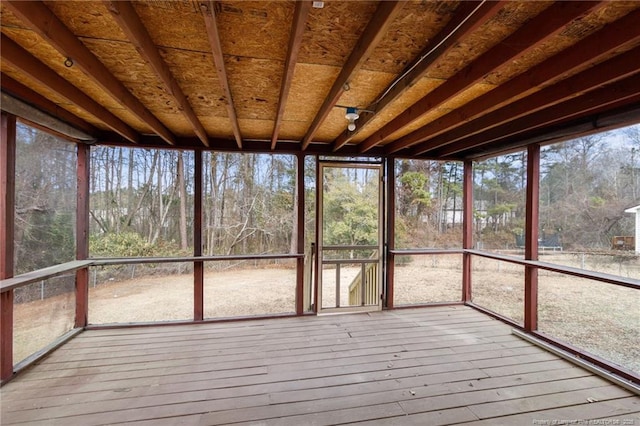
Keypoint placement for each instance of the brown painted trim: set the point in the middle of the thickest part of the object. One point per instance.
(467, 229)
(531, 238)
(82, 233)
(300, 221)
(198, 266)
(7, 219)
(391, 232)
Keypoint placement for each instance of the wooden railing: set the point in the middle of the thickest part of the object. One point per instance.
(367, 292)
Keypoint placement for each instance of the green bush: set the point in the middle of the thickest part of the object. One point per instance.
(125, 244)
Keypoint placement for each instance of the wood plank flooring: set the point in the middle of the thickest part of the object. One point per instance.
(429, 366)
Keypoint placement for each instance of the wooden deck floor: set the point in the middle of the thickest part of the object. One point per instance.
(429, 366)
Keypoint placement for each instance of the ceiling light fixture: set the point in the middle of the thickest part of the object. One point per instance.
(351, 116)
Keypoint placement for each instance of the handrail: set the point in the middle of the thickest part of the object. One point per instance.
(363, 247)
(568, 270)
(411, 252)
(74, 265)
(42, 274)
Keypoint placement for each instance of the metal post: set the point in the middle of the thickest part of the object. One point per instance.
(82, 234)
(198, 266)
(531, 238)
(7, 209)
(467, 229)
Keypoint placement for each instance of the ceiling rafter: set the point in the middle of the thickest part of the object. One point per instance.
(605, 73)
(582, 54)
(469, 16)
(44, 22)
(35, 99)
(127, 18)
(573, 107)
(300, 15)
(15, 55)
(542, 27)
(209, 14)
(370, 38)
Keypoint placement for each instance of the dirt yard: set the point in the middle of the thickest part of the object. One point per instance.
(603, 319)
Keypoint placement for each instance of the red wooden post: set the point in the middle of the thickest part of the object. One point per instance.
(7, 211)
(467, 229)
(316, 265)
(531, 238)
(198, 266)
(300, 231)
(82, 234)
(391, 229)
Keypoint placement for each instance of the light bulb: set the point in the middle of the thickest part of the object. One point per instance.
(351, 126)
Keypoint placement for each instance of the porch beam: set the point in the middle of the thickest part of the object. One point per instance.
(300, 15)
(7, 220)
(626, 90)
(15, 55)
(608, 72)
(580, 56)
(125, 15)
(82, 234)
(198, 266)
(47, 25)
(208, 9)
(469, 16)
(467, 229)
(370, 38)
(38, 101)
(531, 238)
(547, 24)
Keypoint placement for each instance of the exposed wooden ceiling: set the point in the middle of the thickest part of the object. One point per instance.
(433, 79)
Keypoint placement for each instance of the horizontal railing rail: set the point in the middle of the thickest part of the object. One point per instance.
(425, 251)
(568, 270)
(42, 274)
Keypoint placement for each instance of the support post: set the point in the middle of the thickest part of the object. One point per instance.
(391, 229)
(300, 234)
(531, 238)
(82, 235)
(198, 266)
(467, 228)
(7, 212)
(317, 265)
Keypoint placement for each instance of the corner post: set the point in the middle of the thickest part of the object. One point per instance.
(391, 229)
(82, 234)
(300, 233)
(467, 229)
(198, 266)
(531, 238)
(7, 219)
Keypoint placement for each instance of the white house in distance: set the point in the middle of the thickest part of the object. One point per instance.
(636, 210)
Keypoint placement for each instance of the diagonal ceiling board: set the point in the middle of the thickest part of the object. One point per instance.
(42, 20)
(35, 99)
(209, 14)
(21, 59)
(469, 16)
(626, 74)
(582, 54)
(545, 25)
(373, 33)
(125, 15)
(607, 72)
(300, 15)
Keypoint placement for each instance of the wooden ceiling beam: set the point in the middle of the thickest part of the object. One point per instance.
(44, 22)
(468, 17)
(370, 38)
(300, 15)
(588, 103)
(209, 14)
(17, 89)
(615, 69)
(126, 16)
(36, 70)
(539, 29)
(585, 53)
